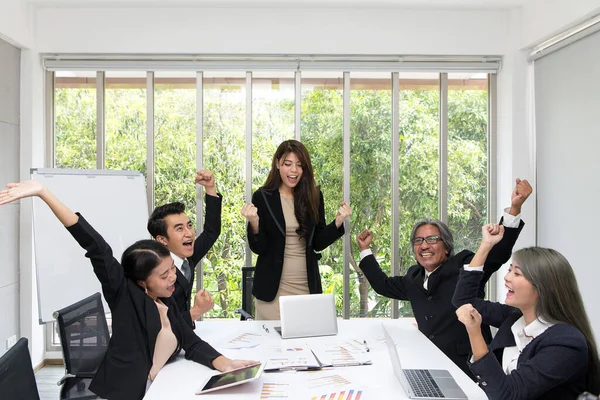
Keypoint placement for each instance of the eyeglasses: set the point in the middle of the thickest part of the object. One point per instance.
(429, 239)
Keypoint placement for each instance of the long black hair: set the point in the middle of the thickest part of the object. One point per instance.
(306, 192)
(559, 299)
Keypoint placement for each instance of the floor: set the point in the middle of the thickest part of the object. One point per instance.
(46, 379)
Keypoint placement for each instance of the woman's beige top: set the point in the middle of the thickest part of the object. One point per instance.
(166, 342)
(293, 277)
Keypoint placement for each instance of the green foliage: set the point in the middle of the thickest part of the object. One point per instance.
(224, 152)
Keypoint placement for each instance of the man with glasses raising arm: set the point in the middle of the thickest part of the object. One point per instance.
(429, 285)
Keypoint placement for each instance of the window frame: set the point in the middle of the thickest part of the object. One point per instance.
(50, 79)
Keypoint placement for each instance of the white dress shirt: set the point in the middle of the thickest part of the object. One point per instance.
(523, 334)
(177, 261)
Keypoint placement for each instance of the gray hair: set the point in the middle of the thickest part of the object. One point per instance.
(559, 299)
(445, 233)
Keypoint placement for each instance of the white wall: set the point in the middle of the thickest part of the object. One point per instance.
(515, 139)
(16, 154)
(264, 30)
(31, 155)
(545, 18)
(10, 59)
(14, 23)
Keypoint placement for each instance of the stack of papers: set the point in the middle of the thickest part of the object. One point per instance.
(298, 356)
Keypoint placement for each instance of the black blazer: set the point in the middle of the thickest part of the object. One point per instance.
(135, 324)
(433, 308)
(204, 242)
(552, 366)
(269, 244)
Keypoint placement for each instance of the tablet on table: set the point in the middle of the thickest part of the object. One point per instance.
(231, 378)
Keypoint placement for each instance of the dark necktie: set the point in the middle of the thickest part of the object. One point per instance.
(186, 270)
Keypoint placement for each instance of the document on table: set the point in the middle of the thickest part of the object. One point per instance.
(242, 340)
(342, 353)
(292, 356)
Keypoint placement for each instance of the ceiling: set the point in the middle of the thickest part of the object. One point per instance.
(439, 4)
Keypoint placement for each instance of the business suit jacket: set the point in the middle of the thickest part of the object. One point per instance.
(552, 366)
(269, 244)
(135, 324)
(433, 307)
(204, 242)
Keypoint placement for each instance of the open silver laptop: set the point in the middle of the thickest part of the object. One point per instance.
(425, 384)
(307, 315)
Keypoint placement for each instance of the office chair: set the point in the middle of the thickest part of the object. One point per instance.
(17, 380)
(247, 310)
(84, 339)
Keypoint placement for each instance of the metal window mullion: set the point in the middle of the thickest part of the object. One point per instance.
(492, 160)
(199, 166)
(395, 182)
(248, 153)
(346, 184)
(443, 178)
(50, 94)
(491, 147)
(297, 103)
(150, 173)
(100, 120)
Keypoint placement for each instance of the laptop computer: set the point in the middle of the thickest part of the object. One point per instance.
(307, 315)
(427, 384)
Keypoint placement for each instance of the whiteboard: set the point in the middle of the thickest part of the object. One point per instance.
(113, 202)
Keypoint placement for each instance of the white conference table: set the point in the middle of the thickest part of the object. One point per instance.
(180, 378)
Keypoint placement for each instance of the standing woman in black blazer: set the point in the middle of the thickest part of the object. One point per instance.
(147, 328)
(544, 347)
(286, 225)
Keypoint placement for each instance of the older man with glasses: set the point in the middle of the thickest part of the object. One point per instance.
(429, 285)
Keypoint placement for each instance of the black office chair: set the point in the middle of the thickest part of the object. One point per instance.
(247, 310)
(17, 380)
(84, 338)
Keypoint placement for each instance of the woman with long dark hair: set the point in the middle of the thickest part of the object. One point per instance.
(286, 226)
(544, 348)
(148, 329)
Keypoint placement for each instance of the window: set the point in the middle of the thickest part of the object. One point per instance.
(382, 189)
(75, 121)
(224, 133)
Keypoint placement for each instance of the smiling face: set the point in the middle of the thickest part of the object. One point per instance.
(180, 235)
(161, 281)
(290, 171)
(429, 256)
(521, 293)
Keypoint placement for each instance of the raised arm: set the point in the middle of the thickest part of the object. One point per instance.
(257, 238)
(21, 190)
(212, 219)
(392, 287)
(472, 311)
(513, 225)
(106, 267)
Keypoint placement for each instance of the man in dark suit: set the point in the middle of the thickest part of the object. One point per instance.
(170, 226)
(429, 285)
